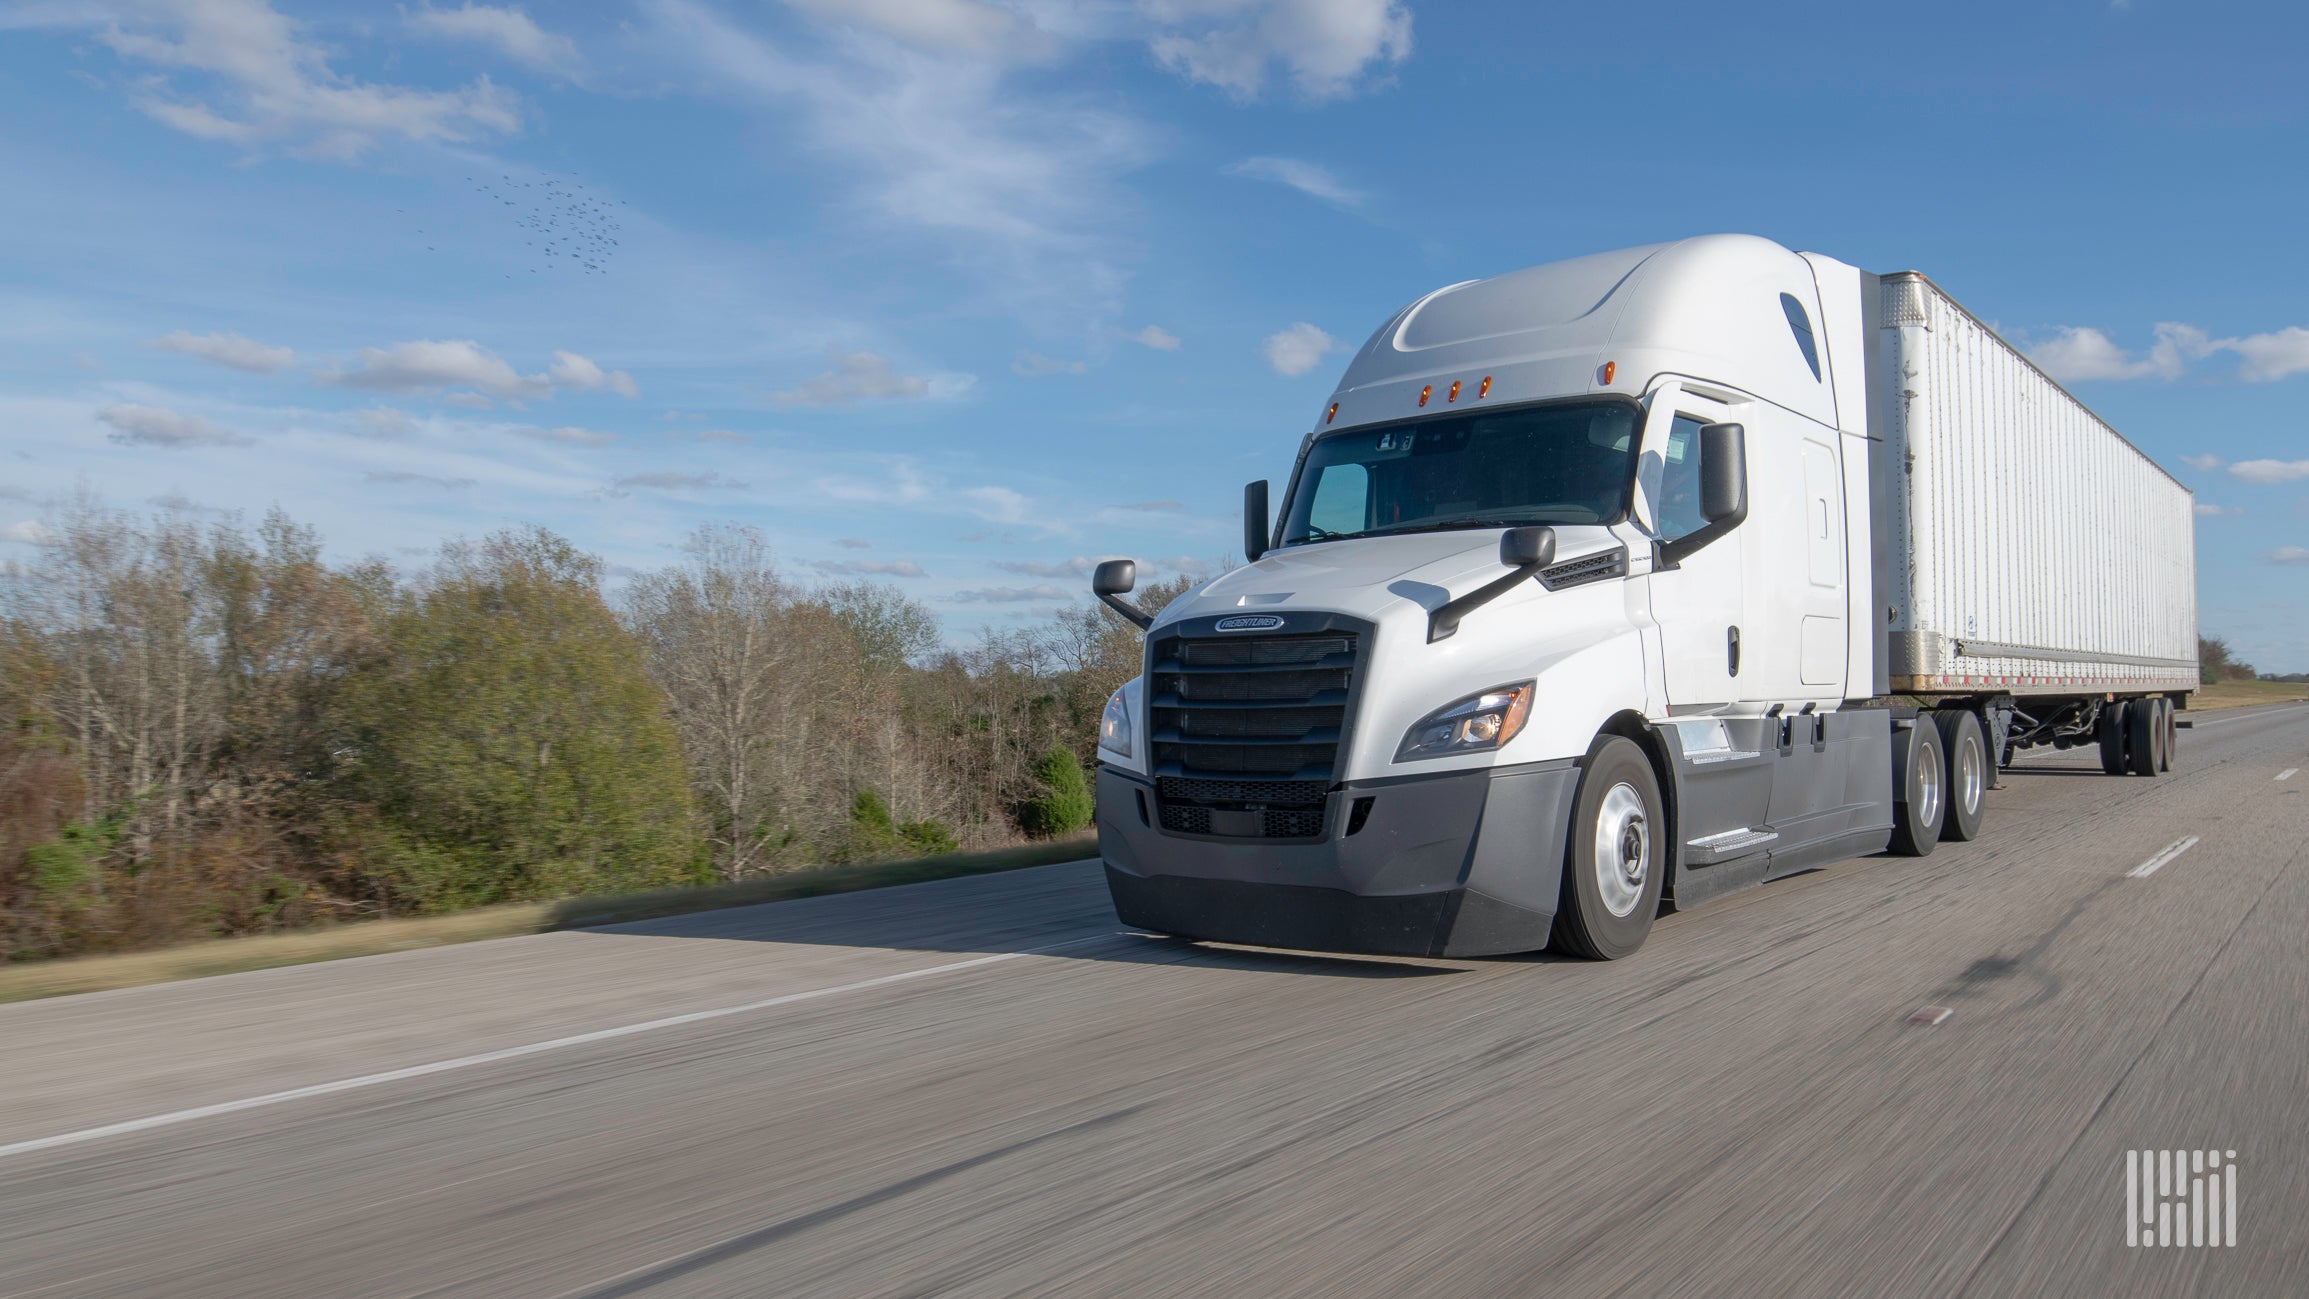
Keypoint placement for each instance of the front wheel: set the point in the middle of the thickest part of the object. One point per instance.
(1611, 878)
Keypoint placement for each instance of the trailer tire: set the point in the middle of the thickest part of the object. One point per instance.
(2169, 732)
(1967, 748)
(1617, 856)
(1923, 805)
(2114, 723)
(2142, 730)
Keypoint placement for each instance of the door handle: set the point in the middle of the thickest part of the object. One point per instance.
(1732, 650)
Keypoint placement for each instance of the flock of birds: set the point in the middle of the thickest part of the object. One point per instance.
(570, 228)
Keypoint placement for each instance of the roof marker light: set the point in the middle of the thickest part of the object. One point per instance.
(1483, 390)
(1425, 389)
(1452, 395)
(1330, 414)
(1608, 367)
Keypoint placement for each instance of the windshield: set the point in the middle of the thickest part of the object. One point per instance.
(1566, 463)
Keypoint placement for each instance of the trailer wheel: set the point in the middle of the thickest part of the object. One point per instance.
(2142, 731)
(1611, 878)
(1967, 748)
(2114, 724)
(1917, 814)
(2172, 732)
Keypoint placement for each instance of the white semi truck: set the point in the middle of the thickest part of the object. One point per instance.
(1631, 581)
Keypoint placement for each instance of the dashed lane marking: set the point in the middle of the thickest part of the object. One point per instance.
(2157, 863)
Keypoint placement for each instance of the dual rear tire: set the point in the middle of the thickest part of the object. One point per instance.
(2137, 736)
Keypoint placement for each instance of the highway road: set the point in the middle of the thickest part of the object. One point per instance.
(984, 1087)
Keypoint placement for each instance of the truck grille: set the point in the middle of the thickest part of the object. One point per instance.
(1248, 727)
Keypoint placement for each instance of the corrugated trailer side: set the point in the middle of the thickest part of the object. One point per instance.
(2036, 551)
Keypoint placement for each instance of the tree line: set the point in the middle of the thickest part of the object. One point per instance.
(212, 730)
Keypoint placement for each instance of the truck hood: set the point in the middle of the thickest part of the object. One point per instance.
(1364, 575)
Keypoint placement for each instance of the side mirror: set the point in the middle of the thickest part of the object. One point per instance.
(1527, 547)
(1723, 473)
(1723, 490)
(1112, 580)
(1255, 529)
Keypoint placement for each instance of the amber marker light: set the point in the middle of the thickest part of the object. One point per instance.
(1483, 389)
(1331, 414)
(1608, 368)
(1423, 391)
(1452, 395)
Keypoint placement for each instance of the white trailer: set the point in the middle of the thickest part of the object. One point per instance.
(1635, 580)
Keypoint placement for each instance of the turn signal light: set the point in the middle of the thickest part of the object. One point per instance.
(1423, 391)
(1331, 414)
(1452, 395)
(1608, 367)
(1483, 390)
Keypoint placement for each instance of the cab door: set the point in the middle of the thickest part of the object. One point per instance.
(1700, 603)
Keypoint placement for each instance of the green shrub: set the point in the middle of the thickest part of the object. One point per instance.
(1062, 804)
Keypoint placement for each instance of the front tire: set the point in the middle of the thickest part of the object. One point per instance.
(1618, 853)
(1967, 748)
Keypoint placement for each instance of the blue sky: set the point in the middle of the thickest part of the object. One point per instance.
(961, 294)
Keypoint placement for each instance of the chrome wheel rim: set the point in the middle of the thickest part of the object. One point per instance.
(1623, 848)
(1927, 791)
(1968, 780)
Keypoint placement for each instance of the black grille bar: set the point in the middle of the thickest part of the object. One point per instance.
(1250, 727)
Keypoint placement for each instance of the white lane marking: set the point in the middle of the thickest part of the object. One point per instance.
(2145, 869)
(2287, 773)
(2246, 717)
(510, 1053)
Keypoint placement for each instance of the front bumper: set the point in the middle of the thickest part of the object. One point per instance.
(1461, 863)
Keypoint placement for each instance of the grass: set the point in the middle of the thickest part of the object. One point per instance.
(26, 981)
(2242, 694)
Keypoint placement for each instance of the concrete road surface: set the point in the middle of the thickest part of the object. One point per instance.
(878, 1095)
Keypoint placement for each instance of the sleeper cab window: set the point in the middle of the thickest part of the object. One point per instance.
(1801, 325)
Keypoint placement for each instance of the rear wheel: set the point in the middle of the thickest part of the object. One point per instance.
(2114, 724)
(1967, 748)
(2142, 731)
(1611, 876)
(2172, 733)
(1916, 817)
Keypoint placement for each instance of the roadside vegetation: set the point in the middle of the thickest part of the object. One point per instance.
(207, 731)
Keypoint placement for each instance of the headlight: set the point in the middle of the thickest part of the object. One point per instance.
(1478, 722)
(1114, 725)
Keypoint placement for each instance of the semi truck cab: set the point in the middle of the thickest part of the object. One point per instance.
(1571, 605)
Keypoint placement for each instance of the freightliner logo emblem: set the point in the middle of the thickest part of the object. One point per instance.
(1255, 622)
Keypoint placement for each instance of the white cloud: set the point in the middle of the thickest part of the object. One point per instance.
(1298, 349)
(431, 365)
(510, 31)
(415, 479)
(869, 568)
(711, 479)
(31, 532)
(2289, 555)
(1078, 566)
(255, 81)
(1156, 337)
(2205, 463)
(383, 422)
(228, 350)
(995, 504)
(157, 426)
(2270, 471)
(1326, 47)
(1163, 505)
(713, 435)
(1014, 594)
(569, 370)
(583, 437)
(856, 376)
(2080, 354)
(853, 543)
(2205, 510)
(1035, 365)
(913, 102)
(2272, 356)
(1311, 179)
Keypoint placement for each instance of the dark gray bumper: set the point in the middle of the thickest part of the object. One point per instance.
(1465, 863)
